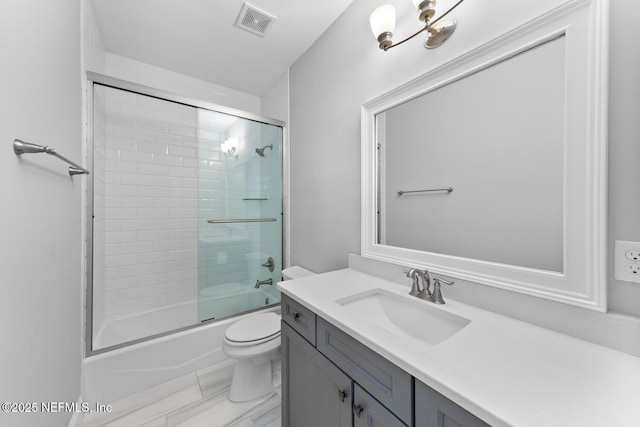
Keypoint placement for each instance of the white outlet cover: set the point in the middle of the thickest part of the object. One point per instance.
(623, 265)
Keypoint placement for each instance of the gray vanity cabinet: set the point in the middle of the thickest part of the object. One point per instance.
(300, 318)
(435, 410)
(387, 383)
(368, 412)
(329, 379)
(315, 392)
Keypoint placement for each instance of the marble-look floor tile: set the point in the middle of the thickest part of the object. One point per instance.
(139, 400)
(216, 378)
(164, 406)
(221, 412)
(261, 415)
(158, 422)
(195, 400)
(185, 414)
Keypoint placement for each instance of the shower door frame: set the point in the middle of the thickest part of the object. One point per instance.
(115, 83)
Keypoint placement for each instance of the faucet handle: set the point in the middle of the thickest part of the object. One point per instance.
(437, 293)
(446, 282)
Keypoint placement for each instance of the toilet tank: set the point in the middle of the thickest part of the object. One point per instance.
(296, 272)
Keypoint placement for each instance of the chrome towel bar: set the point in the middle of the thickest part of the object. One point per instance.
(448, 190)
(228, 221)
(21, 147)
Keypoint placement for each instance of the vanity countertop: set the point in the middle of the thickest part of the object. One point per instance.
(505, 371)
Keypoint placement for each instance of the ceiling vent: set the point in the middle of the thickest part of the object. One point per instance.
(254, 20)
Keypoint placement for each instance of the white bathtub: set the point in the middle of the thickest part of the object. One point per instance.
(120, 329)
(118, 373)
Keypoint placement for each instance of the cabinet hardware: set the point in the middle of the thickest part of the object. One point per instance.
(342, 395)
(357, 410)
(295, 315)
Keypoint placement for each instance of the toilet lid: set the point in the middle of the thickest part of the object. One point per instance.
(253, 328)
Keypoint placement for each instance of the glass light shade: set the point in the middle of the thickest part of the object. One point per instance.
(383, 20)
(230, 145)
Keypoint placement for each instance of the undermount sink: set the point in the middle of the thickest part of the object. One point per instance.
(402, 315)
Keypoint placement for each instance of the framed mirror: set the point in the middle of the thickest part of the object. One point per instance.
(492, 168)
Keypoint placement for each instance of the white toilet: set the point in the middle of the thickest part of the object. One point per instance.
(254, 342)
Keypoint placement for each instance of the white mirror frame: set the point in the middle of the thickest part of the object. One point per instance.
(583, 282)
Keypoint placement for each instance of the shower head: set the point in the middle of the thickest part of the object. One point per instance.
(260, 151)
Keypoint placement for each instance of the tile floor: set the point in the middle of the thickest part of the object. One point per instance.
(195, 400)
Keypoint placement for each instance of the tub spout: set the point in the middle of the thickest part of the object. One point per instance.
(263, 282)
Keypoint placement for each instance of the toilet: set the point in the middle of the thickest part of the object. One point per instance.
(254, 341)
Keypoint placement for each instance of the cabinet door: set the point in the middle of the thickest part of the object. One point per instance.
(386, 382)
(368, 412)
(435, 410)
(314, 392)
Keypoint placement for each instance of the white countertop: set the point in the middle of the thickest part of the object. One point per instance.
(506, 372)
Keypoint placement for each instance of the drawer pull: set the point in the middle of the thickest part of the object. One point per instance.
(342, 395)
(357, 410)
(295, 315)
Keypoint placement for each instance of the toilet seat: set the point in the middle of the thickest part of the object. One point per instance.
(252, 330)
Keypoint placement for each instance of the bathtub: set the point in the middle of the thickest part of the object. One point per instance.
(121, 329)
(124, 371)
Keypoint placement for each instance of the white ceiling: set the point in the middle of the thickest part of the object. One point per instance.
(198, 37)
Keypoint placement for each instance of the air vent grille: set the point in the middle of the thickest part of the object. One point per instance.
(254, 20)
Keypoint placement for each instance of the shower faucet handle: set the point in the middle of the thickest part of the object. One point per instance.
(269, 264)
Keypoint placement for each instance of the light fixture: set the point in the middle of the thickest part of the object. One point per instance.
(230, 146)
(383, 22)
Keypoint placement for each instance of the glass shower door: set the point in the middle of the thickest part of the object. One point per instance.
(185, 215)
(239, 214)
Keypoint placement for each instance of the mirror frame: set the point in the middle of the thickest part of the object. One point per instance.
(582, 283)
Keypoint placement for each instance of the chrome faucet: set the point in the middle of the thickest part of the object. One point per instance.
(425, 292)
(263, 282)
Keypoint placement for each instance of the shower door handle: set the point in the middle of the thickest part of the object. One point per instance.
(234, 220)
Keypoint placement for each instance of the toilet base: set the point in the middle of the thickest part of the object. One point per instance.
(250, 380)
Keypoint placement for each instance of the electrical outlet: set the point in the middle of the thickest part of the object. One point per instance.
(633, 268)
(627, 261)
(632, 255)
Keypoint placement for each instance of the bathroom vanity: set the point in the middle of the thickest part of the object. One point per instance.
(358, 350)
(328, 376)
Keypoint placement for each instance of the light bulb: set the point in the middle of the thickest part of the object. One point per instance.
(383, 20)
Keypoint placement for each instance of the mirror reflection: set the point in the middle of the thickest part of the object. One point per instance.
(496, 137)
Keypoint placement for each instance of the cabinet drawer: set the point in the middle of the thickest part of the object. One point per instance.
(435, 410)
(386, 382)
(300, 318)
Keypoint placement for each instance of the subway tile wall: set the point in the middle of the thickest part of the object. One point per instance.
(145, 187)
(159, 175)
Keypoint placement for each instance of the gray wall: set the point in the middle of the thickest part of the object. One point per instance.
(41, 217)
(344, 69)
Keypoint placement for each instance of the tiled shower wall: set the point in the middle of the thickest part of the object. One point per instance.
(239, 185)
(145, 164)
(159, 175)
